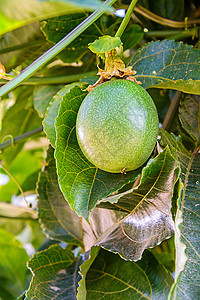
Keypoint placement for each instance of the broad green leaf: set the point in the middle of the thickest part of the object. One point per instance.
(42, 95)
(54, 274)
(104, 44)
(168, 64)
(143, 214)
(55, 29)
(187, 222)
(111, 277)
(189, 115)
(13, 258)
(31, 10)
(18, 120)
(52, 112)
(5, 22)
(81, 182)
(132, 36)
(58, 221)
(5, 295)
(22, 44)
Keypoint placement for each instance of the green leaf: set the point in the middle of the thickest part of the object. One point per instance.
(132, 36)
(18, 120)
(111, 277)
(81, 183)
(31, 10)
(55, 29)
(22, 44)
(58, 221)
(42, 95)
(187, 222)
(168, 64)
(89, 258)
(52, 112)
(5, 22)
(13, 269)
(104, 44)
(189, 115)
(54, 274)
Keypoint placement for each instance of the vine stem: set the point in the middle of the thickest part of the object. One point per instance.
(15, 180)
(126, 19)
(20, 138)
(53, 79)
(55, 50)
(160, 20)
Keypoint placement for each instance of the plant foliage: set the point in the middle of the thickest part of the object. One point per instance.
(68, 229)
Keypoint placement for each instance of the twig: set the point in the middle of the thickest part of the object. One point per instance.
(171, 111)
(171, 23)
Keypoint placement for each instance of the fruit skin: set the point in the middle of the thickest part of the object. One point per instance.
(117, 126)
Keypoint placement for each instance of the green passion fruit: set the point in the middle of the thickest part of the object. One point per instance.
(117, 126)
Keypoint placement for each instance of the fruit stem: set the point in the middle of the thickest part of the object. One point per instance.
(126, 19)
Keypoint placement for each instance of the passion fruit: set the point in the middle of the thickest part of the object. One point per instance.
(117, 126)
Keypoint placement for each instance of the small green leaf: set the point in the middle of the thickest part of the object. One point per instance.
(111, 277)
(187, 222)
(81, 182)
(58, 221)
(168, 64)
(54, 275)
(52, 112)
(104, 44)
(13, 258)
(143, 214)
(189, 115)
